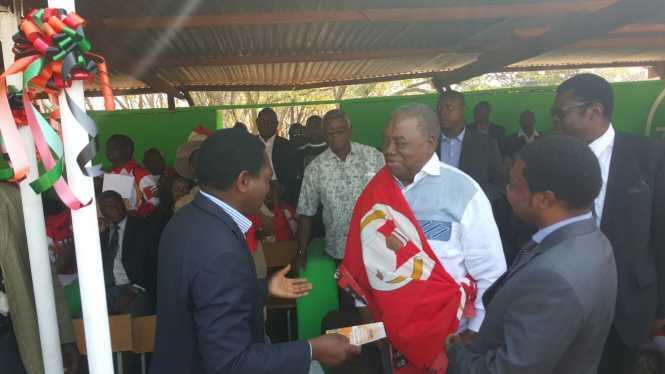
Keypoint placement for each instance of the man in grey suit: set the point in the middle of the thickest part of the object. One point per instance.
(552, 310)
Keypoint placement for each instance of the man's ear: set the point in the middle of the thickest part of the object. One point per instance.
(242, 182)
(543, 200)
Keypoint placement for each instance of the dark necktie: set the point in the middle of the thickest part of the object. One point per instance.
(521, 255)
(111, 253)
(113, 239)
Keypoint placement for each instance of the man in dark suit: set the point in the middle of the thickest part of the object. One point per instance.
(481, 123)
(129, 248)
(477, 155)
(630, 210)
(210, 303)
(552, 309)
(282, 155)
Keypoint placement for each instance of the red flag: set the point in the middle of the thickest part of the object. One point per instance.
(393, 267)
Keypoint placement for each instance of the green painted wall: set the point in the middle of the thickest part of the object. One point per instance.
(166, 131)
(152, 128)
(633, 102)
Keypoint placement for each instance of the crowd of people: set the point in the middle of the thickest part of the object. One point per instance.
(561, 234)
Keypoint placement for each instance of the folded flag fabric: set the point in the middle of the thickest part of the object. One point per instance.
(389, 263)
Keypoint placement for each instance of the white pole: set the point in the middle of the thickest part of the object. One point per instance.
(86, 232)
(33, 217)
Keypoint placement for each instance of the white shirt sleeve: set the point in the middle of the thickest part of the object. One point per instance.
(483, 253)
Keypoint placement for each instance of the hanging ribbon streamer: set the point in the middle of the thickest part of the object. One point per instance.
(51, 51)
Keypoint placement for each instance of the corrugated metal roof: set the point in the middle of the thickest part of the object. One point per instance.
(248, 48)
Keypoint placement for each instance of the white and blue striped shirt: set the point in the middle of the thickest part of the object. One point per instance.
(243, 222)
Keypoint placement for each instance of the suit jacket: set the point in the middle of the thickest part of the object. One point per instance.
(481, 160)
(18, 283)
(285, 162)
(210, 303)
(139, 246)
(495, 132)
(634, 221)
(550, 312)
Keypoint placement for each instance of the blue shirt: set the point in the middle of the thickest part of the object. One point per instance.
(243, 222)
(545, 232)
(451, 149)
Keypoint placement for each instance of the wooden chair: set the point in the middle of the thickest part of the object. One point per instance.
(278, 255)
(121, 336)
(143, 331)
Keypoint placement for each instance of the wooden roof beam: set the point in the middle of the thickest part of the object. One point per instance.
(573, 29)
(436, 14)
(160, 85)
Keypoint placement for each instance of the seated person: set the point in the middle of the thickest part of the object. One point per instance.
(128, 257)
(284, 223)
(120, 153)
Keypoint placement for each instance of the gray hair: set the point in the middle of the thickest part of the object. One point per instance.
(428, 123)
(336, 114)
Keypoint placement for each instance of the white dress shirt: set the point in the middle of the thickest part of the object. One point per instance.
(270, 143)
(474, 247)
(119, 272)
(602, 147)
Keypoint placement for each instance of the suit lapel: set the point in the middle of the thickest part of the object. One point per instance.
(209, 207)
(467, 149)
(623, 174)
(564, 233)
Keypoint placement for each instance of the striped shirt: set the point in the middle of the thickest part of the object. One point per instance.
(243, 222)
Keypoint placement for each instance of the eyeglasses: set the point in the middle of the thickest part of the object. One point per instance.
(559, 113)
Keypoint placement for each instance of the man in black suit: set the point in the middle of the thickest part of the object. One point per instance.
(630, 210)
(282, 155)
(481, 123)
(477, 155)
(210, 303)
(129, 259)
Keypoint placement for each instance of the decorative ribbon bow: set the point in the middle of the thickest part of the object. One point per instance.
(51, 51)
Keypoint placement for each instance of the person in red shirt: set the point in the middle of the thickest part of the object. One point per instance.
(144, 198)
(284, 220)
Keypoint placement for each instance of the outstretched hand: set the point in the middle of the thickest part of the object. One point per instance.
(288, 288)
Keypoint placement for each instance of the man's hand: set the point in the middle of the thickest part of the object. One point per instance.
(70, 358)
(452, 340)
(658, 327)
(333, 349)
(123, 301)
(467, 336)
(288, 288)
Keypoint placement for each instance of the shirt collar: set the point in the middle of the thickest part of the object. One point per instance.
(269, 141)
(603, 142)
(333, 156)
(431, 167)
(243, 222)
(459, 137)
(547, 231)
(122, 224)
(522, 134)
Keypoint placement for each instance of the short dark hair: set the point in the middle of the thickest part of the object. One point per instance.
(111, 195)
(564, 165)
(267, 111)
(227, 153)
(313, 121)
(482, 104)
(451, 94)
(336, 114)
(590, 88)
(122, 140)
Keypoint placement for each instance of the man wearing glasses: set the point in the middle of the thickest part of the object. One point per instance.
(630, 210)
